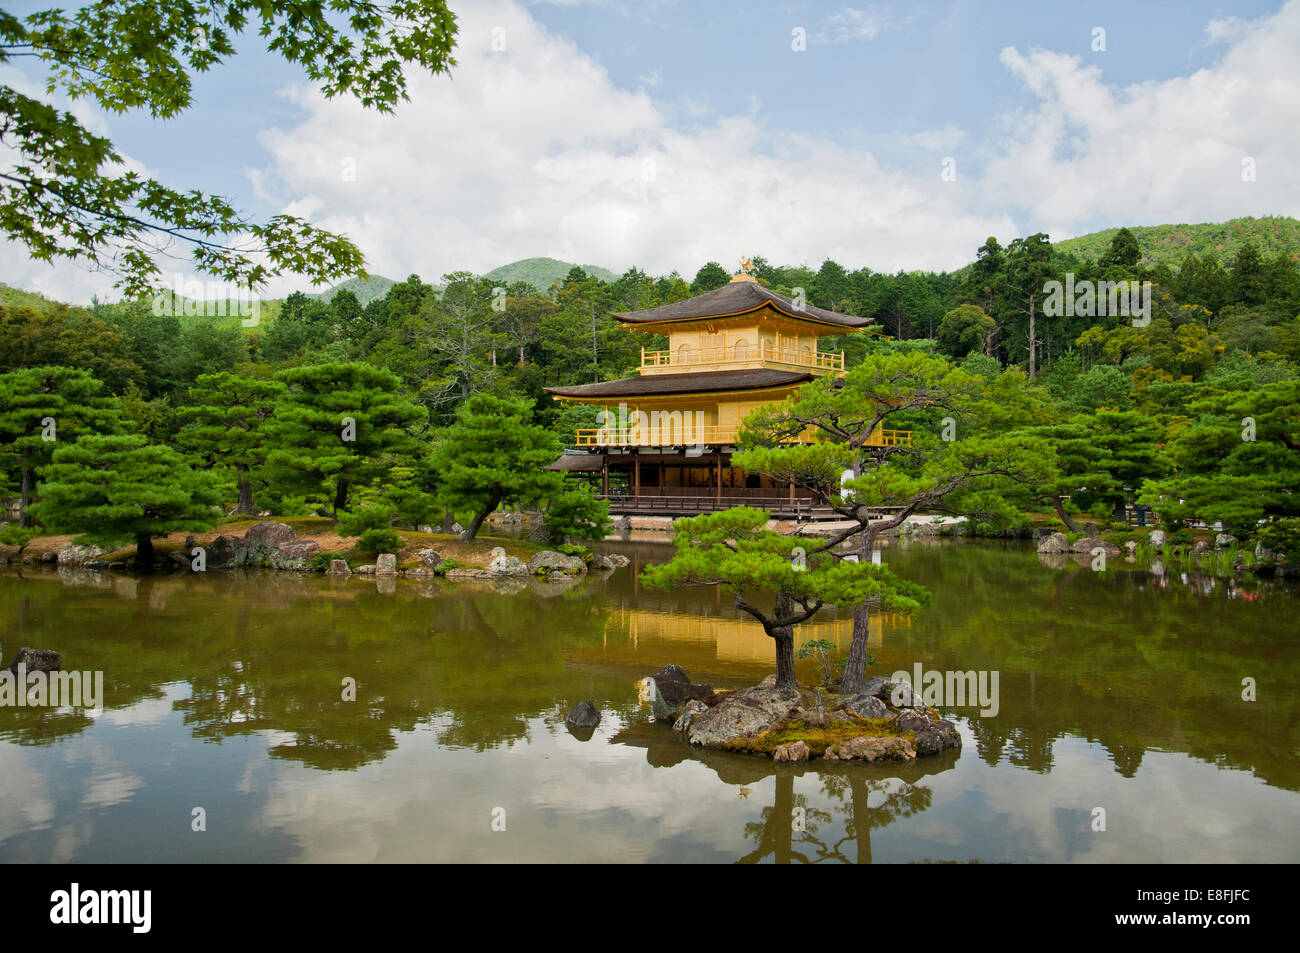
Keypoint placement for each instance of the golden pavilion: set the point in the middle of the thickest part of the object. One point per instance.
(664, 439)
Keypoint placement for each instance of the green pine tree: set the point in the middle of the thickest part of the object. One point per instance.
(113, 489)
(347, 424)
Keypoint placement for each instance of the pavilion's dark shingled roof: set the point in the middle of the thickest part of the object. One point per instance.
(576, 463)
(734, 298)
(649, 385)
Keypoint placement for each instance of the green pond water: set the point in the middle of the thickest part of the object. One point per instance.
(223, 691)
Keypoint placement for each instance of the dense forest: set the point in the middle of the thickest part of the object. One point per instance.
(1156, 410)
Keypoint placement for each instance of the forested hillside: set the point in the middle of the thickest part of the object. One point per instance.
(1155, 398)
(1171, 244)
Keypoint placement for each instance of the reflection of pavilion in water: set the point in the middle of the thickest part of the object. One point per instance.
(742, 639)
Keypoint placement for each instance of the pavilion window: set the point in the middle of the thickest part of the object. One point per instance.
(740, 350)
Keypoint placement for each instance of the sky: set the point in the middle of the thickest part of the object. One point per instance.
(666, 134)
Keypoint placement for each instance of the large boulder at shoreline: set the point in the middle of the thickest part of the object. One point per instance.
(429, 558)
(502, 565)
(936, 738)
(548, 561)
(386, 564)
(912, 719)
(742, 715)
(74, 555)
(669, 689)
(223, 552)
(263, 540)
(867, 748)
(1224, 540)
(1087, 544)
(618, 559)
(1054, 543)
(1157, 538)
(295, 554)
(37, 660)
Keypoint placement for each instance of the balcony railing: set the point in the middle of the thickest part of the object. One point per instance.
(665, 436)
(686, 357)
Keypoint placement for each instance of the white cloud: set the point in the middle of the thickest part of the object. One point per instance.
(1224, 29)
(851, 24)
(536, 152)
(936, 140)
(1168, 151)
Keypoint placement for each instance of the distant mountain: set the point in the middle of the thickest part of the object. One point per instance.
(366, 289)
(1173, 243)
(541, 273)
(16, 298)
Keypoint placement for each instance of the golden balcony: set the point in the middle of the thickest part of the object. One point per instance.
(742, 355)
(650, 436)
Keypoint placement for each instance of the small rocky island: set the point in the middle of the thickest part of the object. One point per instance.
(793, 723)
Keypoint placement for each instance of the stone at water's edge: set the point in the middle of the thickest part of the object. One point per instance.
(1055, 543)
(743, 714)
(795, 751)
(386, 564)
(295, 554)
(670, 688)
(262, 541)
(73, 555)
(339, 567)
(937, 737)
(1157, 537)
(503, 565)
(223, 552)
(618, 559)
(549, 561)
(690, 711)
(429, 558)
(1087, 544)
(912, 720)
(871, 749)
(37, 660)
(583, 715)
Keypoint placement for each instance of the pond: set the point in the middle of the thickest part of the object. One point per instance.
(225, 736)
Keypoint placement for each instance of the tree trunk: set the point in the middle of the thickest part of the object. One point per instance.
(479, 517)
(1070, 524)
(143, 551)
(855, 666)
(448, 521)
(245, 495)
(1032, 349)
(340, 496)
(29, 481)
(784, 638)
